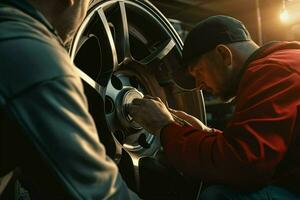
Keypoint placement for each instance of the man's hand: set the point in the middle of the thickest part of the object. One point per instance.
(151, 113)
(193, 121)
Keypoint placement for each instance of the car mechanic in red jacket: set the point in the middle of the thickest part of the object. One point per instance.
(258, 155)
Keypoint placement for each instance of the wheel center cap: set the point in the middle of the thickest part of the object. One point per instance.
(125, 98)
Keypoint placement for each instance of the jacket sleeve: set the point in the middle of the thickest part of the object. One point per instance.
(55, 119)
(246, 154)
(45, 95)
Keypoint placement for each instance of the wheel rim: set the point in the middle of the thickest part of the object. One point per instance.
(123, 50)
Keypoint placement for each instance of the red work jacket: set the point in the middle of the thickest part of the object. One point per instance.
(261, 144)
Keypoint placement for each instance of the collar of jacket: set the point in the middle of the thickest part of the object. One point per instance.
(260, 53)
(27, 8)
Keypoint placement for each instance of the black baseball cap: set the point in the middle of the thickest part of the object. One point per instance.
(203, 38)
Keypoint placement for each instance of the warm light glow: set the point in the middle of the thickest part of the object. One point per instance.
(284, 16)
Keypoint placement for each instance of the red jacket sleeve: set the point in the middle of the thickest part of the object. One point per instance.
(246, 154)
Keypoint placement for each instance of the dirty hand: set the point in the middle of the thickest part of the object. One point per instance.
(193, 121)
(151, 113)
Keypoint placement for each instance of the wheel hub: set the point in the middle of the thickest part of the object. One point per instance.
(125, 97)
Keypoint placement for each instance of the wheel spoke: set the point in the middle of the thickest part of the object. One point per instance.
(105, 24)
(91, 82)
(124, 33)
(161, 51)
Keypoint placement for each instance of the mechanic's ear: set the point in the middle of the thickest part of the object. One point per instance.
(225, 54)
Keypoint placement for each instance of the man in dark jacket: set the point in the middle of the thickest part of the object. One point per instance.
(257, 155)
(46, 129)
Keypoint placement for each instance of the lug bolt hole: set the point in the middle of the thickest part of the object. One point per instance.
(143, 141)
(116, 82)
(109, 105)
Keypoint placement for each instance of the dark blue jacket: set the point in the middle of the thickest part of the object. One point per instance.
(46, 129)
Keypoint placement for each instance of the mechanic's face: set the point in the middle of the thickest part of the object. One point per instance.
(71, 18)
(213, 72)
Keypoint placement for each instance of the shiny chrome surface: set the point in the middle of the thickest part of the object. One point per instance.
(125, 49)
